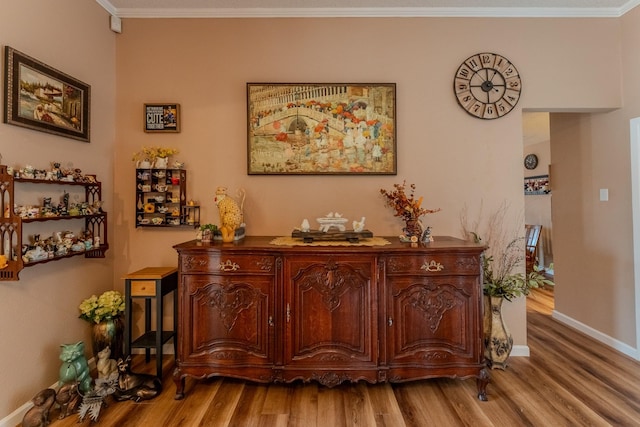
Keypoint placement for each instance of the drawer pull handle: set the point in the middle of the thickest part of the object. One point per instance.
(229, 266)
(288, 313)
(270, 321)
(432, 266)
(390, 321)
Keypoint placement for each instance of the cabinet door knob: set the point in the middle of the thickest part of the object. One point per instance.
(270, 321)
(390, 321)
(288, 313)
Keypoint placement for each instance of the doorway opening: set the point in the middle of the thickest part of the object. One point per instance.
(537, 144)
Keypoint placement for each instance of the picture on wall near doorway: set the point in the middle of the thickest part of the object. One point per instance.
(162, 118)
(536, 185)
(42, 98)
(321, 129)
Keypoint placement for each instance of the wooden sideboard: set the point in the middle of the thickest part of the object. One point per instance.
(256, 311)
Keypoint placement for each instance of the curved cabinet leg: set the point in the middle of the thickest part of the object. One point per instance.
(483, 380)
(178, 378)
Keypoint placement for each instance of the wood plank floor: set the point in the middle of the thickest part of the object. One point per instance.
(569, 380)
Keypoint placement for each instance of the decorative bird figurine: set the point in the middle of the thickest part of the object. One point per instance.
(305, 225)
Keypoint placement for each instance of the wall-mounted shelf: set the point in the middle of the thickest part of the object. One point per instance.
(12, 225)
(161, 199)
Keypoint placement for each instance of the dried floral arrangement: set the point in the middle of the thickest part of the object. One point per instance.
(503, 256)
(405, 205)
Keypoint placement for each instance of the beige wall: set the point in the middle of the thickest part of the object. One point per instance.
(592, 239)
(204, 64)
(455, 159)
(39, 312)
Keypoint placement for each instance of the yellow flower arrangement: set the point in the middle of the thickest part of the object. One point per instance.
(151, 153)
(107, 306)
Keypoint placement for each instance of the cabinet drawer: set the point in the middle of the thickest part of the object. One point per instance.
(228, 263)
(143, 288)
(439, 264)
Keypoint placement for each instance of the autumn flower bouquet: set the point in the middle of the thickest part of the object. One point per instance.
(407, 207)
(107, 306)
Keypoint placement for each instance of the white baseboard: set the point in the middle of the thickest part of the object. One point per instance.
(15, 418)
(597, 335)
(520, 351)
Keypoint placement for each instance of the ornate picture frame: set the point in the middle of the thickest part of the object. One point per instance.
(40, 97)
(321, 129)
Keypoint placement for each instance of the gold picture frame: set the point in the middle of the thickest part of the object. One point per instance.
(321, 129)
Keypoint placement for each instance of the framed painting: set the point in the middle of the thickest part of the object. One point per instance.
(321, 129)
(162, 118)
(536, 185)
(39, 97)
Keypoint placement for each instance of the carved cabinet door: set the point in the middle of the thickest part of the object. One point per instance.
(433, 318)
(227, 320)
(330, 311)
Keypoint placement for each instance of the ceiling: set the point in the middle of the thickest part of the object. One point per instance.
(365, 8)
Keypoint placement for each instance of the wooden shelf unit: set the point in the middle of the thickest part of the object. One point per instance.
(12, 225)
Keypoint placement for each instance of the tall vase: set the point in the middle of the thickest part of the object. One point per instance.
(413, 228)
(497, 339)
(108, 333)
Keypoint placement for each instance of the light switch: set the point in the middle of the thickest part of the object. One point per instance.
(604, 194)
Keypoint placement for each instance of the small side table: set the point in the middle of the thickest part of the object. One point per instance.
(148, 283)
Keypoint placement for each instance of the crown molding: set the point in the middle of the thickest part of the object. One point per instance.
(379, 12)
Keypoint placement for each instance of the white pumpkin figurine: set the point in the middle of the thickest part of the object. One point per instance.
(358, 226)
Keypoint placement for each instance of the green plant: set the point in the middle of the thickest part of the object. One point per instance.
(510, 286)
(503, 258)
(211, 227)
(107, 306)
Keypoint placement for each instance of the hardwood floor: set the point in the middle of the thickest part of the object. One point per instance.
(569, 380)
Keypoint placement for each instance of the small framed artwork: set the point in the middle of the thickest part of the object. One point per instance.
(162, 117)
(40, 97)
(321, 129)
(537, 185)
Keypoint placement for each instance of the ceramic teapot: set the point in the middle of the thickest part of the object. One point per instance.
(143, 164)
(161, 163)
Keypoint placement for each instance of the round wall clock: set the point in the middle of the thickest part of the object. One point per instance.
(487, 86)
(531, 161)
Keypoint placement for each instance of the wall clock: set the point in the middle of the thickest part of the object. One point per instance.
(487, 85)
(531, 161)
